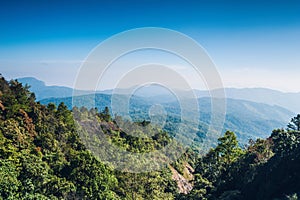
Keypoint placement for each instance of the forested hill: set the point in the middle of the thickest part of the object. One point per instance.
(247, 119)
(259, 95)
(43, 157)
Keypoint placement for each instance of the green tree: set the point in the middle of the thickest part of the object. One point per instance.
(93, 179)
(295, 123)
(228, 149)
(213, 169)
(9, 183)
(105, 114)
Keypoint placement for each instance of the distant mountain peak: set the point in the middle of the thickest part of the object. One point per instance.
(33, 82)
(154, 92)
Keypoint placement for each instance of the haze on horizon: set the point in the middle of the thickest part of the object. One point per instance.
(252, 43)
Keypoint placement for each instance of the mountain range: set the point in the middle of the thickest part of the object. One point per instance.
(251, 113)
(286, 100)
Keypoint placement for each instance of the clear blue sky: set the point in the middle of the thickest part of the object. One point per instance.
(253, 43)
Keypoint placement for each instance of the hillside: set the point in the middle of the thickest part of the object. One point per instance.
(247, 119)
(43, 91)
(44, 156)
(259, 95)
(262, 95)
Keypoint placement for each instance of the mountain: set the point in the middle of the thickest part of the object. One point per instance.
(251, 113)
(289, 101)
(159, 94)
(43, 91)
(44, 156)
(286, 100)
(248, 119)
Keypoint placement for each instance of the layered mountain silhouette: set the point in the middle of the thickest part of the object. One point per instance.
(259, 95)
(251, 113)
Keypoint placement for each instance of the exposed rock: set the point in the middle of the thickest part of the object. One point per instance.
(183, 184)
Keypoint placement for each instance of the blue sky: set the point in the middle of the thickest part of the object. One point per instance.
(253, 43)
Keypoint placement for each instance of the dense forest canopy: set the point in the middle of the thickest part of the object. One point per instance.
(43, 157)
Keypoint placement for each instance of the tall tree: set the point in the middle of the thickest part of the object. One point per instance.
(295, 123)
(228, 148)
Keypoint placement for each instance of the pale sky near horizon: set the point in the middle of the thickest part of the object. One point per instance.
(252, 43)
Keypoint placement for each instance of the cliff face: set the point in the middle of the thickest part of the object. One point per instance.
(183, 183)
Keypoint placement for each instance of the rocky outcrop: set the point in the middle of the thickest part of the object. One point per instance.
(183, 183)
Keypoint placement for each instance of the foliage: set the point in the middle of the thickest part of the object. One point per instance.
(42, 156)
(266, 169)
(295, 123)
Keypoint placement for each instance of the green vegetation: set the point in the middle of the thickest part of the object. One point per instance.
(43, 157)
(266, 169)
(247, 119)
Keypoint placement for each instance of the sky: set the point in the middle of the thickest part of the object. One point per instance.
(252, 43)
